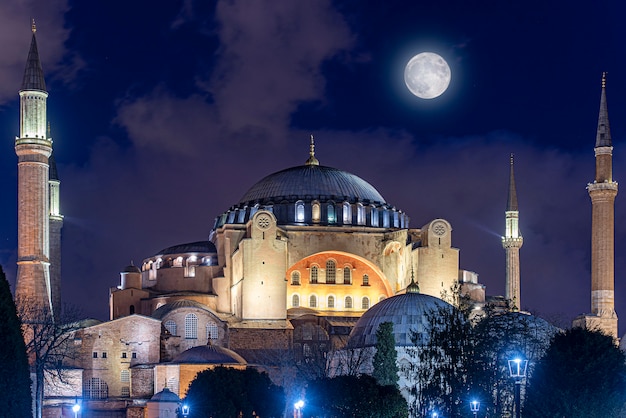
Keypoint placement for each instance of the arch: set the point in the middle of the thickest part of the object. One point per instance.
(331, 216)
(366, 280)
(171, 327)
(331, 272)
(312, 301)
(347, 213)
(191, 326)
(212, 331)
(360, 214)
(347, 275)
(295, 301)
(348, 302)
(299, 211)
(316, 213)
(295, 278)
(177, 262)
(314, 274)
(365, 303)
(331, 301)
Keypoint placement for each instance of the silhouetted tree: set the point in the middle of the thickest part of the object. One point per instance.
(352, 396)
(225, 393)
(385, 359)
(582, 375)
(15, 395)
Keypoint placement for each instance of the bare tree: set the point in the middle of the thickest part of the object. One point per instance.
(48, 342)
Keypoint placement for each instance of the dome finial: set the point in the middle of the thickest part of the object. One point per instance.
(33, 27)
(312, 160)
(412, 287)
(604, 79)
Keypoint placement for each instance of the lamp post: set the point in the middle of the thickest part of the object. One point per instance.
(76, 408)
(517, 371)
(297, 409)
(185, 410)
(435, 415)
(475, 407)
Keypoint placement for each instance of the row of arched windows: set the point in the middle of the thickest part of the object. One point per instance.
(191, 328)
(331, 302)
(332, 275)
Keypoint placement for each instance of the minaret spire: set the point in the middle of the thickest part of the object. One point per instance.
(512, 242)
(312, 160)
(602, 192)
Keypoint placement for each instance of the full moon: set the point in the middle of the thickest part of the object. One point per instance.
(427, 75)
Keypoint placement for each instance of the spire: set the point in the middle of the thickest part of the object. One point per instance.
(33, 74)
(412, 287)
(603, 135)
(312, 160)
(512, 201)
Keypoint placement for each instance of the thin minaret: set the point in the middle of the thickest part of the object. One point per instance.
(602, 193)
(33, 148)
(56, 225)
(512, 241)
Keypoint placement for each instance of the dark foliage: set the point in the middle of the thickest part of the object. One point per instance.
(582, 375)
(14, 372)
(225, 393)
(385, 366)
(352, 396)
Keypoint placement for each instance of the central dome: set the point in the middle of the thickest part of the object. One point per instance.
(312, 182)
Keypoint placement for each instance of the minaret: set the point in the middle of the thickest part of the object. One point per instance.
(512, 242)
(33, 148)
(56, 224)
(602, 192)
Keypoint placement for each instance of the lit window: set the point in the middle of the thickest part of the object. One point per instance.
(125, 376)
(299, 211)
(191, 326)
(348, 302)
(360, 214)
(241, 215)
(385, 218)
(295, 301)
(365, 303)
(366, 280)
(347, 213)
(171, 327)
(313, 301)
(212, 331)
(314, 274)
(330, 211)
(331, 271)
(347, 275)
(315, 212)
(374, 216)
(331, 301)
(178, 262)
(295, 278)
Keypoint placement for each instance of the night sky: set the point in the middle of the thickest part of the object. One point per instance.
(163, 114)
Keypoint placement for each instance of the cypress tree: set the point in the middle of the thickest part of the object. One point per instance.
(15, 394)
(385, 366)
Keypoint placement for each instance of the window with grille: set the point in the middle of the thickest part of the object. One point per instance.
(347, 275)
(331, 301)
(314, 274)
(348, 302)
(191, 326)
(366, 280)
(295, 301)
(295, 278)
(171, 327)
(331, 272)
(313, 301)
(365, 303)
(212, 331)
(125, 392)
(125, 376)
(95, 388)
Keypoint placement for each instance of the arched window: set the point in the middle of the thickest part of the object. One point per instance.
(396, 220)
(212, 332)
(365, 302)
(331, 301)
(315, 212)
(330, 213)
(191, 326)
(348, 302)
(374, 216)
(360, 214)
(347, 213)
(313, 301)
(314, 274)
(178, 262)
(295, 278)
(171, 327)
(295, 301)
(366, 280)
(347, 275)
(299, 211)
(242, 215)
(190, 266)
(385, 218)
(331, 272)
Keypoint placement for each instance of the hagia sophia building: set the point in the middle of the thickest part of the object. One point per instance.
(293, 265)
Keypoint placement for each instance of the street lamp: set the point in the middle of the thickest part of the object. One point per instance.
(435, 415)
(297, 409)
(517, 371)
(76, 408)
(475, 407)
(185, 410)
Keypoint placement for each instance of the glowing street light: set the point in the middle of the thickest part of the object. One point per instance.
(435, 415)
(517, 371)
(475, 407)
(76, 408)
(297, 409)
(185, 410)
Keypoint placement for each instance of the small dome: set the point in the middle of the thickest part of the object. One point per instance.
(407, 312)
(192, 247)
(132, 269)
(209, 354)
(309, 182)
(177, 304)
(165, 395)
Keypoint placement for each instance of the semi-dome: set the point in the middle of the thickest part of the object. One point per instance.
(408, 313)
(309, 182)
(208, 354)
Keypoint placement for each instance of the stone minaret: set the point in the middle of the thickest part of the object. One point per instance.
(512, 242)
(56, 224)
(602, 192)
(33, 148)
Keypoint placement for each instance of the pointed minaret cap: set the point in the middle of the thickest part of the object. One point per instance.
(312, 160)
(412, 287)
(603, 135)
(33, 74)
(512, 201)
